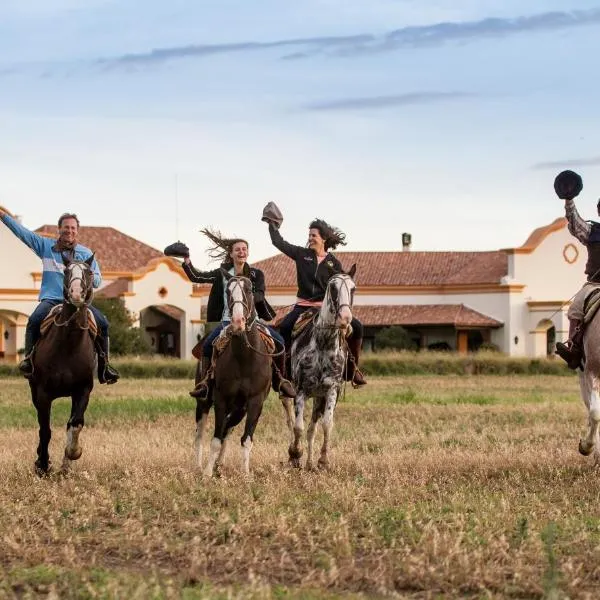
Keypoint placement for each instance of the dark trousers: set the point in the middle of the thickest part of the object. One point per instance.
(32, 331)
(287, 325)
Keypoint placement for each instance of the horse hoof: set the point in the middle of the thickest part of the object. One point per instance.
(295, 453)
(42, 470)
(73, 453)
(295, 463)
(323, 465)
(585, 448)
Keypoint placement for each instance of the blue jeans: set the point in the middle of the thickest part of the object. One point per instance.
(212, 336)
(32, 331)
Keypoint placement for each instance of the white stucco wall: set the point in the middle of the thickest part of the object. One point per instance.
(546, 273)
(179, 294)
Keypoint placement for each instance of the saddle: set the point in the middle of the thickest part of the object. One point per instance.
(308, 316)
(54, 314)
(224, 339)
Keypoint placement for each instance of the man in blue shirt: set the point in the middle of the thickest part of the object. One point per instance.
(51, 290)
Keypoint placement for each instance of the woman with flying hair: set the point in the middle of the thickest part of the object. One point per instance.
(314, 266)
(233, 255)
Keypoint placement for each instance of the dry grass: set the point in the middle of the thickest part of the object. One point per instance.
(440, 487)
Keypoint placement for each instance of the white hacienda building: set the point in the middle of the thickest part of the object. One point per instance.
(514, 298)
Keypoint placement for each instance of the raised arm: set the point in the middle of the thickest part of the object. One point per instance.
(285, 247)
(577, 226)
(196, 276)
(29, 238)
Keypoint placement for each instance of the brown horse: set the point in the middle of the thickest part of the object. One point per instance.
(63, 363)
(242, 377)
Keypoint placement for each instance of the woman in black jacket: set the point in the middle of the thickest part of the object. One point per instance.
(233, 252)
(314, 267)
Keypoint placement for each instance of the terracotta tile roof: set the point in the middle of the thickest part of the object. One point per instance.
(115, 251)
(402, 268)
(413, 315)
(114, 289)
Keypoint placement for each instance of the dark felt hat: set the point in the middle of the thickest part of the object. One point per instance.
(567, 185)
(272, 214)
(177, 249)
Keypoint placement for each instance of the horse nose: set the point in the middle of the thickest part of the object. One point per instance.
(75, 293)
(238, 323)
(345, 316)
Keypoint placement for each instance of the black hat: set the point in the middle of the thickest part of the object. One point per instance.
(567, 185)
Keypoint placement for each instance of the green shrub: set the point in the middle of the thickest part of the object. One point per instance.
(394, 338)
(124, 339)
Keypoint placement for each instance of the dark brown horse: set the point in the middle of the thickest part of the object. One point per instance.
(242, 377)
(63, 363)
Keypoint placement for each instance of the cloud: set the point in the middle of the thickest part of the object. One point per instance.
(376, 102)
(441, 33)
(407, 37)
(202, 50)
(567, 164)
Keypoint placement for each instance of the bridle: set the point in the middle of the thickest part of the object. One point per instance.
(248, 311)
(335, 308)
(87, 289)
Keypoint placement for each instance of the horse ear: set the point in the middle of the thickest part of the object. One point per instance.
(226, 274)
(65, 259)
(90, 260)
(352, 271)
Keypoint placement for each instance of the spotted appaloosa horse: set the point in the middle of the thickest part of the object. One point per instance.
(63, 363)
(319, 357)
(589, 382)
(242, 377)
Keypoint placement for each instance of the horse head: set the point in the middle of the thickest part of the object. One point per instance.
(240, 301)
(339, 298)
(78, 286)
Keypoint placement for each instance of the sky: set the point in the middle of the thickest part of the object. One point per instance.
(446, 119)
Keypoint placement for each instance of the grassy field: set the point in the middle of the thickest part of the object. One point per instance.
(440, 487)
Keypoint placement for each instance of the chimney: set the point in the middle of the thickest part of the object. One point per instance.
(406, 241)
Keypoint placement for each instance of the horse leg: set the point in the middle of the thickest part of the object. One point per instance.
(202, 409)
(43, 405)
(73, 450)
(327, 424)
(288, 407)
(232, 420)
(218, 436)
(317, 413)
(255, 405)
(295, 449)
(590, 391)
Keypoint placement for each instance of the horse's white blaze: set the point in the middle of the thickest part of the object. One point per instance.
(215, 449)
(247, 447)
(75, 287)
(237, 311)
